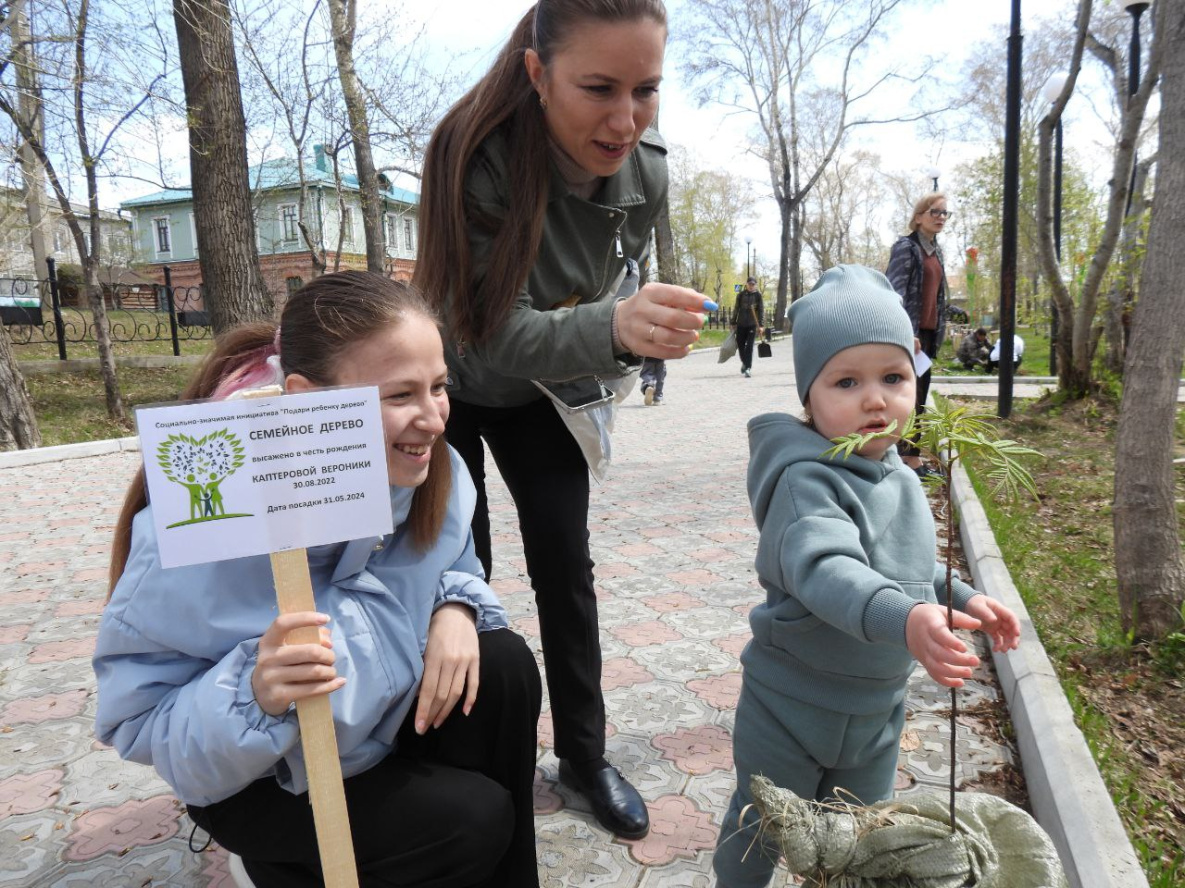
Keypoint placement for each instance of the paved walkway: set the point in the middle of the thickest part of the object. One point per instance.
(674, 544)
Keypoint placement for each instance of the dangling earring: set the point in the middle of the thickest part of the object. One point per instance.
(543, 104)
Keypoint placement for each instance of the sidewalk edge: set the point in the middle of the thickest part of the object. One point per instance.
(15, 458)
(1066, 790)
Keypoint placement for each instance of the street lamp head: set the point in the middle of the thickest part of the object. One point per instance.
(1135, 7)
(748, 240)
(1054, 85)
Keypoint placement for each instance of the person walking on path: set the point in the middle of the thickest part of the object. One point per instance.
(653, 376)
(847, 557)
(541, 188)
(435, 701)
(748, 316)
(917, 273)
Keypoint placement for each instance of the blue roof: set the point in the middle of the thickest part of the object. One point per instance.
(275, 175)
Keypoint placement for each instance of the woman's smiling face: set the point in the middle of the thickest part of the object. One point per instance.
(406, 361)
(600, 90)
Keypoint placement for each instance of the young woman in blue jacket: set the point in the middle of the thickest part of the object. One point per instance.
(541, 186)
(435, 701)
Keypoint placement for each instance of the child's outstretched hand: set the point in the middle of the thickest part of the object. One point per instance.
(1000, 624)
(941, 653)
(285, 673)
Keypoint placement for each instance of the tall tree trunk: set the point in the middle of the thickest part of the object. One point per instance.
(18, 426)
(1121, 298)
(342, 14)
(1148, 561)
(234, 288)
(90, 245)
(32, 173)
(664, 246)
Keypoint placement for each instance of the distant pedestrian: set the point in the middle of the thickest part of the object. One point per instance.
(748, 315)
(653, 375)
(917, 273)
(847, 562)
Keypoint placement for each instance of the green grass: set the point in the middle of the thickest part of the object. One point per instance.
(1034, 362)
(1059, 551)
(71, 407)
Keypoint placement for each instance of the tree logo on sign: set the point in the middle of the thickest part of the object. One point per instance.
(200, 465)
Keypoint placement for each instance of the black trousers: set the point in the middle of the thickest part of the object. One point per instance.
(451, 809)
(929, 341)
(547, 476)
(745, 337)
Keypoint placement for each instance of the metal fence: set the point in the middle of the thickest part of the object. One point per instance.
(55, 311)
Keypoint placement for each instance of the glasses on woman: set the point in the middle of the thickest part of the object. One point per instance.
(940, 214)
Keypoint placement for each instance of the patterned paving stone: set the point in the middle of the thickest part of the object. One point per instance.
(125, 826)
(25, 794)
(698, 750)
(677, 830)
(32, 710)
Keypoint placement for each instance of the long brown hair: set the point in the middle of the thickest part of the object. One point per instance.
(504, 98)
(320, 322)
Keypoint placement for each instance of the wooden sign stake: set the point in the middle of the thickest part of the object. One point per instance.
(294, 592)
(327, 792)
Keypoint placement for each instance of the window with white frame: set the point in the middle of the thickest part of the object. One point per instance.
(348, 225)
(288, 221)
(392, 232)
(193, 234)
(408, 237)
(164, 236)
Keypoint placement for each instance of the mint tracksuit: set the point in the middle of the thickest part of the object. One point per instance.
(847, 549)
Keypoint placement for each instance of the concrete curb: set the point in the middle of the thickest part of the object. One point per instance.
(1066, 791)
(15, 458)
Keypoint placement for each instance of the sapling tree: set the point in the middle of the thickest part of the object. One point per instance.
(982, 839)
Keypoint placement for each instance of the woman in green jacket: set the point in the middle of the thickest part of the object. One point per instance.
(540, 186)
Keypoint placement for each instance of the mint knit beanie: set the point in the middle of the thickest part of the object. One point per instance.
(850, 305)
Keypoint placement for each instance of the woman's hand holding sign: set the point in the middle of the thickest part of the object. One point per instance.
(285, 673)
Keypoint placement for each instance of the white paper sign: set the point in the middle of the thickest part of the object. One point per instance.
(921, 362)
(228, 479)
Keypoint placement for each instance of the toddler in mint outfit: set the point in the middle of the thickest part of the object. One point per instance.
(847, 558)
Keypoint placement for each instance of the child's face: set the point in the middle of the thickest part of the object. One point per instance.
(863, 389)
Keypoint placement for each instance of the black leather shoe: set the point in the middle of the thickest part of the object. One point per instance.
(615, 803)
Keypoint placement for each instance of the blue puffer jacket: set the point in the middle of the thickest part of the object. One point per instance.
(177, 647)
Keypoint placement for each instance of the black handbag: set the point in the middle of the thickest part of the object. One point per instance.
(764, 350)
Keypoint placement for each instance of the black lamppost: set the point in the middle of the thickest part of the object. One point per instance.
(748, 272)
(1052, 90)
(1010, 215)
(933, 174)
(1136, 9)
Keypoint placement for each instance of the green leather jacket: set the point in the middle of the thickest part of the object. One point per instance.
(583, 254)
